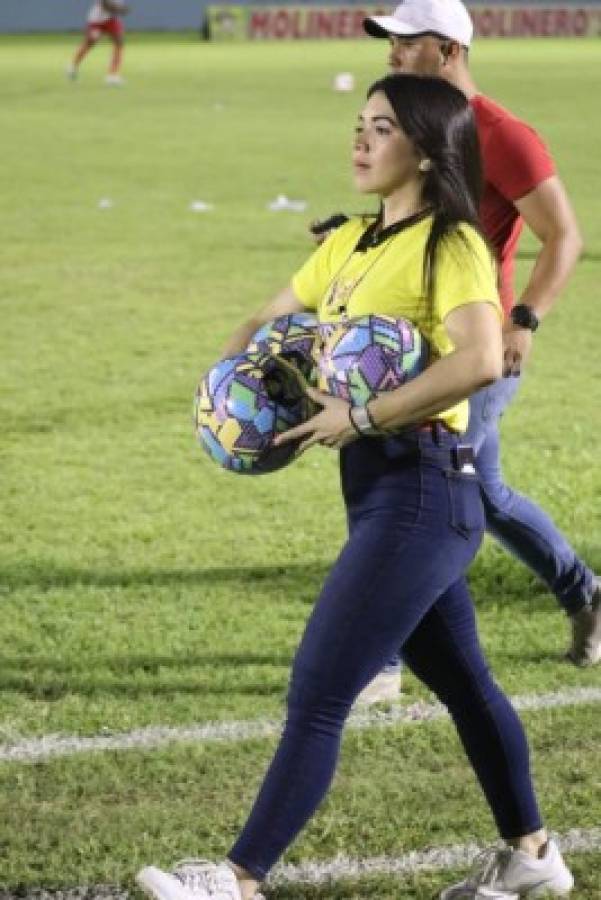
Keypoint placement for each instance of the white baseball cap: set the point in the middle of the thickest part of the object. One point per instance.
(448, 18)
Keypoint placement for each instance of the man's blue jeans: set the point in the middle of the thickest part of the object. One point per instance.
(514, 520)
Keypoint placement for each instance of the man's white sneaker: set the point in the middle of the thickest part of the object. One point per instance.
(115, 80)
(71, 72)
(191, 879)
(506, 874)
(586, 631)
(384, 688)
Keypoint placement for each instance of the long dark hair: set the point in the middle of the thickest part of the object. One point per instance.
(439, 122)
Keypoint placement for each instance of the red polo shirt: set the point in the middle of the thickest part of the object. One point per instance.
(515, 161)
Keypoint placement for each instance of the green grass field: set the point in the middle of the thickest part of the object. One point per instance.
(143, 586)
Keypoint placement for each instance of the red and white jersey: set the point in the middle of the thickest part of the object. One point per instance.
(98, 14)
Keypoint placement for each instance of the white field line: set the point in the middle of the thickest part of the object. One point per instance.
(48, 746)
(341, 868)
(437, 859)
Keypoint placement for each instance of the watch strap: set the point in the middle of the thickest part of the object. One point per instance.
(362, 422)
(524, 316)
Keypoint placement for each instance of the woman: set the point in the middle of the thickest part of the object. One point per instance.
(414, 511)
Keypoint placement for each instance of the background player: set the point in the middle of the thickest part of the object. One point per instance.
(104, 17)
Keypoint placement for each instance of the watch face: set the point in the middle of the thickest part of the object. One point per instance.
(524, 317)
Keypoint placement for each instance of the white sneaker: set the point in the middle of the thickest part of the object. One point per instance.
(191, 879)
(114, 80)
(507, 874)
(71, 72)
(586, 631)
(384, 688)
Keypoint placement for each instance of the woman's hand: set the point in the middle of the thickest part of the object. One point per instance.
(331, 427)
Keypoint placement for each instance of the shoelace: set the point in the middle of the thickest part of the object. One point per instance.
(488, 866)
(193, 873)
(201, 875)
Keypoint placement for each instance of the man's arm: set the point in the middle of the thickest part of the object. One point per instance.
(548, 213)
(322, 229)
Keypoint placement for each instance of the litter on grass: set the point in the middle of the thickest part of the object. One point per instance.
(200, 206)
(344, 82)
(283, 203)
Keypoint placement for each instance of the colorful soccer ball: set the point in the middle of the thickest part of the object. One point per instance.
(241, 404)
(293, 337)
(364, 356)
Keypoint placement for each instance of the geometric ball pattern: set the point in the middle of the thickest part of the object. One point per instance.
(293, 337)
(239, 408)
(364, 356)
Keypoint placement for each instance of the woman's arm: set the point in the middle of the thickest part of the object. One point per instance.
(283, 304)
(475, 330)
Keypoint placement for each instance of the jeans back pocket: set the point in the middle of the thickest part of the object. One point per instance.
(466, 513)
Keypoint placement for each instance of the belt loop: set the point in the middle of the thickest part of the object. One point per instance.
(436, 429)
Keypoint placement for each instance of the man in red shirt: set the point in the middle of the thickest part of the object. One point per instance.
(432, 37)
(104, 17)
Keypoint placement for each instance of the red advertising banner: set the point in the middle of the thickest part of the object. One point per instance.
(307, 22)
(261, 23)
(535, 21)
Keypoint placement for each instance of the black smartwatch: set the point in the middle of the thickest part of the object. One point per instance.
(524, 316)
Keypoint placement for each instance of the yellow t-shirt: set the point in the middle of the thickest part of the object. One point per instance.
(387, 279)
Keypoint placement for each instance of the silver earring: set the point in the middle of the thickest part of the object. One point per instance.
(425, 165)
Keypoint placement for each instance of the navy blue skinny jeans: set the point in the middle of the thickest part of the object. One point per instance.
(415, 524)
